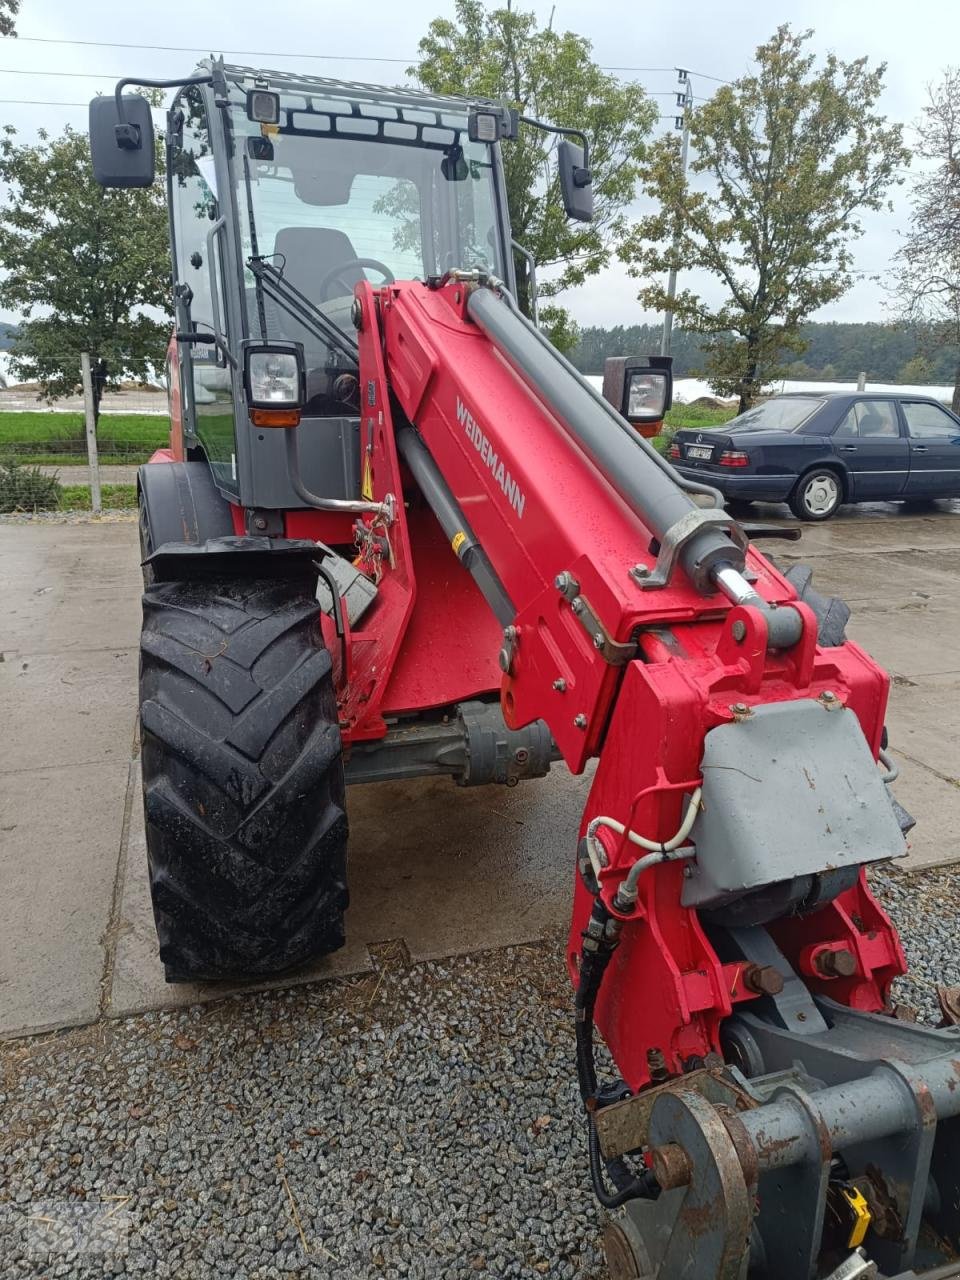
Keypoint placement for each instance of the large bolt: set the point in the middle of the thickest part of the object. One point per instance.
(599, 640)
(739, 631)
(560, 684)
(259, 522)
(576, 604)
(671, 1166)
(764, 979)
(566, 584)
(580, 720)
(640, 571)
(740, 709)
(835, 964)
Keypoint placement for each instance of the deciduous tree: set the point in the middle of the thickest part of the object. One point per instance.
(784, 161)
(502, 53)
(927, 280)
(81, 265)
(8, 12)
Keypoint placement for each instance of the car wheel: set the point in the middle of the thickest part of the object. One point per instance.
(816, 495)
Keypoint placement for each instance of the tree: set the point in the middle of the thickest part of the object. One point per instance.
(502, 53)
(927, 280)
(81, 263)
(790, 155)
(8, 12)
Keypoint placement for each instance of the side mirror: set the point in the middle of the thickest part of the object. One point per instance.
(640, 389)
(275, 381)
(122, 150)
(576, 181)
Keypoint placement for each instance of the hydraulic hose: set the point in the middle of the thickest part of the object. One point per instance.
(600, 940)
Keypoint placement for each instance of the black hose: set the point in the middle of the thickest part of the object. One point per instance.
(597, 952)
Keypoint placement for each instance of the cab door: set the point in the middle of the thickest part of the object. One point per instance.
(872, 446)
(934, 436)
(206, 380)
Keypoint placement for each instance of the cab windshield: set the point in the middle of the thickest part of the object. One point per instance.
(330, 200)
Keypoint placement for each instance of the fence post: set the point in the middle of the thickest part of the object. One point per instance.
(862, 382)
(88, 414)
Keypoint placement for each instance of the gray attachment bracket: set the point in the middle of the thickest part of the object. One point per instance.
(612, 651)
(677, 537)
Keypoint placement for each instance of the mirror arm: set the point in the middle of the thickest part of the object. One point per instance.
(582, 177)
(128, 135)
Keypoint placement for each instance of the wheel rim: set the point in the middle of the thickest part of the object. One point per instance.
(821, 494)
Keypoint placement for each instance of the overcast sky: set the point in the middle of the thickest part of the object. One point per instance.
(916, 40)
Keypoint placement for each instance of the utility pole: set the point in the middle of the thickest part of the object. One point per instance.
(681, 121)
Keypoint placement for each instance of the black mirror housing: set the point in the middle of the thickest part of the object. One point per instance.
(122, 150)
(639, 388)
(576, 181)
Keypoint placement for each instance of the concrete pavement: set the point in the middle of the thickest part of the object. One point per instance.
(442, 869)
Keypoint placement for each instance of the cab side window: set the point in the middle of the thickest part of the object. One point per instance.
(197, 224)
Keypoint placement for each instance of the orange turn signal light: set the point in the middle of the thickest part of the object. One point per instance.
(275, 417)
(648, 429)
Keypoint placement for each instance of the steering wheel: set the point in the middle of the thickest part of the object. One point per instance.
(339, 273)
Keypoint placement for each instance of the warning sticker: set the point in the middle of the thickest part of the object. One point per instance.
(458, 540)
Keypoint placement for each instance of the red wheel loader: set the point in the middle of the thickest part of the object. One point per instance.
(396, 533)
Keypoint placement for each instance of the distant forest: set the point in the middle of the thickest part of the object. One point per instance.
(834, 353)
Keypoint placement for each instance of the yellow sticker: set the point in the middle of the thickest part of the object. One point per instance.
(269, 130)
(366, 488)
(458, 540)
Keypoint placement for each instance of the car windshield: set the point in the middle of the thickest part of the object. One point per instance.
(334, 200)
(783, 413)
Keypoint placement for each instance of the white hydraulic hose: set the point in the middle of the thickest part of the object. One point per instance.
(660, 851)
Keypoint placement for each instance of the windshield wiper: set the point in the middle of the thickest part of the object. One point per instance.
(271, 280)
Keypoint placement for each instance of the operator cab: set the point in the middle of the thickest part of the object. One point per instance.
(285, 192)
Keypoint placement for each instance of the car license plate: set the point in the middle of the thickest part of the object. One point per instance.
(699, 450)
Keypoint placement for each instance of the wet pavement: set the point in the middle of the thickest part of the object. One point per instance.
(440, 869)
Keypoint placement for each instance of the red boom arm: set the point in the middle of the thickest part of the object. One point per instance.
(540, 507)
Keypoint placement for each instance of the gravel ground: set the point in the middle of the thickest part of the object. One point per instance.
(420, 1121)
(112, 514)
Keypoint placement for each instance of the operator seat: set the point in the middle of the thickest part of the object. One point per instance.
(309, 254)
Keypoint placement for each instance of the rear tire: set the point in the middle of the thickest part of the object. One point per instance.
(242, 777)
(817, 495)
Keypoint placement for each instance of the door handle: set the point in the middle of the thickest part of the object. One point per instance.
(848, 448)
(919, 448)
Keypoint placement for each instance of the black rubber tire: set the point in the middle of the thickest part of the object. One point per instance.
(242, 778)
(796, 500)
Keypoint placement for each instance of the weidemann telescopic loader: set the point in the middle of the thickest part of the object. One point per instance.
(396, 533)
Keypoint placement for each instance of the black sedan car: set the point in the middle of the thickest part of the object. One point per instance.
(817, 450)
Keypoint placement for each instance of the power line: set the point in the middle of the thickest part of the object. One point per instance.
(34, 102)
(258, 53)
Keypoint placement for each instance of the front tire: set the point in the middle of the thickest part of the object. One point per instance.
(817, 495)
(243, 779)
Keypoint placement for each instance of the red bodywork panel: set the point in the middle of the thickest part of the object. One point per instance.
(538, 506)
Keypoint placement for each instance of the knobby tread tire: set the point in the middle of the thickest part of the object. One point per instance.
(242, 778)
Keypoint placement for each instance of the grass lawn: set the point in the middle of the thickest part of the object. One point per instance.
(697, 415)
(76, 497)
(57, 439)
